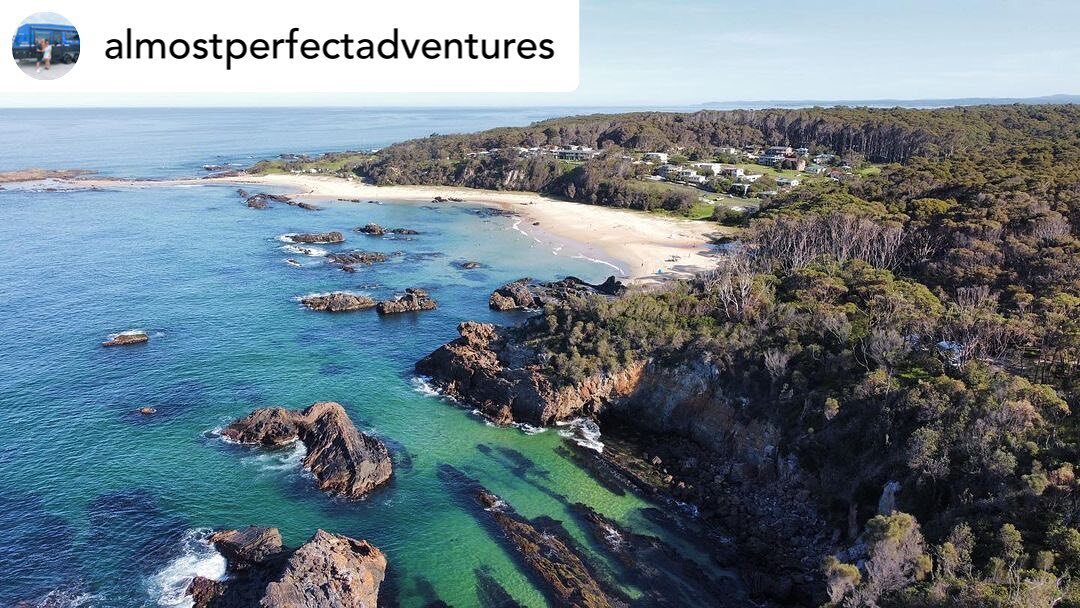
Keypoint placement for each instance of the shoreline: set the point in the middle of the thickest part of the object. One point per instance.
(645, 248)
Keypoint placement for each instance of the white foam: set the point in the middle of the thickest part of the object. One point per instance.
(529, 429)
(283, 459)
(293, 263)
(605, 263)
(582, 431)
(197, 558)
(67, 598)
(312, 252)
(422, 385)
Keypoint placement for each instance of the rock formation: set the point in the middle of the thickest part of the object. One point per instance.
(525, 293)
(414, 300)
(339, 301)
(262, 200)
(329, 570)
(348, 260)
(127, 339)
(488, 369)
(317, 237)
(344, 461)
(568, 579)
(374, 229)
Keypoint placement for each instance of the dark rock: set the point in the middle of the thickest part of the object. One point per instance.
(348, 260)
(567, 577)
(127, 339)
(377, 230)
(147, 410)
(262, 200)
(525, 293)
(329, 570)
(338, 301)
(414, 300)
(344, 461)
(317, 237)
(469, 265)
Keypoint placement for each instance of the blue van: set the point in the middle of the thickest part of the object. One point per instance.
(64, 40)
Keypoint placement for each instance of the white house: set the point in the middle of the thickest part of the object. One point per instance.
(660, 157)
(787, 181)
(778, 151)
(749, 178)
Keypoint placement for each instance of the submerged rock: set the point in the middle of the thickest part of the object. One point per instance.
(338, 301)
(327, 571)
(344, 461)
(469, 265)
(127, 339)
(552, 558)
(525, 293)
(317, 237)
(414, 300)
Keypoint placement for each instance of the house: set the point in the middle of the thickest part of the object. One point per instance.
(796, 164)
(660, 157)
(824, 159)
(814, 169)
(770, 160)
(749, 178)
(778, 151)
(727, 150)
(730, 171)
(681, 174)
(802, 151)
(740, 189)
(575, 153)
(787, 182)
(705, 168)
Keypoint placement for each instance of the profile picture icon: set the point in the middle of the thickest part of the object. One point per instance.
(45, 46)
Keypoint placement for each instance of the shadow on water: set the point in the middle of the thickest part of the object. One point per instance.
(490, 593)
(38, 557)
(134, 527)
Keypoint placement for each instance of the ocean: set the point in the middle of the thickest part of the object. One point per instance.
(103, 506)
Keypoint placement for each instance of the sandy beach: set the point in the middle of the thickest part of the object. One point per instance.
(643, 247)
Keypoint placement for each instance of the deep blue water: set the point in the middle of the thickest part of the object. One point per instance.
(101, 506)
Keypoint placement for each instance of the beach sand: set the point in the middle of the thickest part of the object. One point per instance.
(645, 247)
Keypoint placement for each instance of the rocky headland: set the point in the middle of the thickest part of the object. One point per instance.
(524, 294)
(414, 300)
(327, 570)
(338, 301)
(344, 461)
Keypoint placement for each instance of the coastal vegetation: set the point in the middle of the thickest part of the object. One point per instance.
(909, 336)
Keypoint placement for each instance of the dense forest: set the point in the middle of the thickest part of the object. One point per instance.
(1027, 137)
(918, 327)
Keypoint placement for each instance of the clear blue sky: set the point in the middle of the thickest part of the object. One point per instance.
(687, 52)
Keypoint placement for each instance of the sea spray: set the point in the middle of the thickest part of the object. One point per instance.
(582, 431)
(197, 558)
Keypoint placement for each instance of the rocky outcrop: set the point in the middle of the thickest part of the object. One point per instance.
(414, 300)
(262, 200)
(525, 293)
(344, 461)
(349, 260)
(339, 301)
(374, 229)
(317, 237)
(549, 556)
(127, 339)
(487, 368)
(327, 571)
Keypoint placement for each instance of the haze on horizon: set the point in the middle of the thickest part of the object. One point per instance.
(640, 53)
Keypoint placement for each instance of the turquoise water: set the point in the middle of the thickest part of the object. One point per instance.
(101, 506)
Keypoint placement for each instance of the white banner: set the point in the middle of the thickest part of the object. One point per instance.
(406, 46)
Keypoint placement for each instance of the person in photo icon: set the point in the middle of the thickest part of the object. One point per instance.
(45, 48)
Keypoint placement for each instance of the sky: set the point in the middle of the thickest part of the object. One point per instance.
(690, 52)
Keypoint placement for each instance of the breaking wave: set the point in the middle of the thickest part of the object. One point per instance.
(582, 431)
(197, 558)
